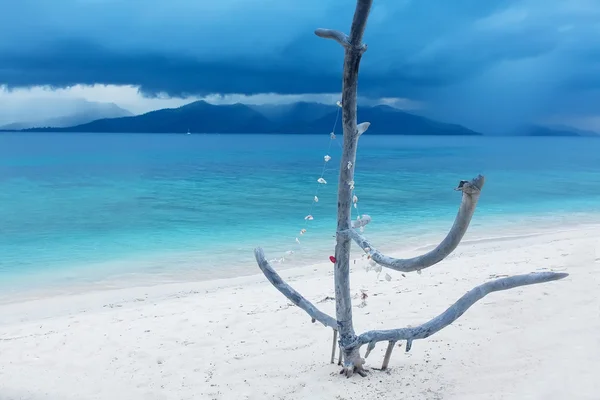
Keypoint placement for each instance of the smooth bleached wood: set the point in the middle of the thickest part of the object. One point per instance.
(338, 36)
(343, 300)
(334, 346)
(457, 309)
(349, 343)
(470, 195)
(388, 355)
(362, 127)
(290, 293)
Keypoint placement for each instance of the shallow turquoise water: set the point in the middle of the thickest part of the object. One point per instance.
(96, 206)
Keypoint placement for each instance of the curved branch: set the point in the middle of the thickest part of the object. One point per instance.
(338, 36)
(290, 293)
(471, 191)
(457, 309)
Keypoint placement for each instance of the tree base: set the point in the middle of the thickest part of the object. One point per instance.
(353, 363)
(349, 371)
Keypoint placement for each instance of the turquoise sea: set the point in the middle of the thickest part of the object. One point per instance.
(134, 208)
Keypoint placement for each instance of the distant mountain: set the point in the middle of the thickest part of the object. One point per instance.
(556, 131)
(299, 118)
(83, 112)
(294, 113)
(198, 117)
(386, 120)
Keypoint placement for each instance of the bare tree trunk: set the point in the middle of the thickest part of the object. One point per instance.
(354, 50)
(349, 342)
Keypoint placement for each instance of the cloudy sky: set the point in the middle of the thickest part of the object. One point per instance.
(490, 65)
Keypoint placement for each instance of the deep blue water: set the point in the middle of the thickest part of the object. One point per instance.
(101, 205)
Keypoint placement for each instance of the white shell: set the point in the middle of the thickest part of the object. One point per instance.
(316, 199)
(321, 180)
(327, 158)
(309, 217)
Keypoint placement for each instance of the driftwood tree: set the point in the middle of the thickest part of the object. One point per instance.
(349, 342)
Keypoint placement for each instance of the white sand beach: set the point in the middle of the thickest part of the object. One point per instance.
(241, 339)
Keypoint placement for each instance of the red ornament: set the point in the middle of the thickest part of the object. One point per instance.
(332, 259)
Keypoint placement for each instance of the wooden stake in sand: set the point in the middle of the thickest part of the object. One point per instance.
(334, 346)
(350, 343)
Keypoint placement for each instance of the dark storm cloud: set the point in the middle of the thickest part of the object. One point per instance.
(464, 52)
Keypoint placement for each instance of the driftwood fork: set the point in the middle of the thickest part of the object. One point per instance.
(348, 341)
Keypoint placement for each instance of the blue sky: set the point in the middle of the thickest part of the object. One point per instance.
(489, 64)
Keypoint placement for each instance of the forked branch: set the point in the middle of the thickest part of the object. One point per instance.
(457, 309)
(470, 195)
(290, 293)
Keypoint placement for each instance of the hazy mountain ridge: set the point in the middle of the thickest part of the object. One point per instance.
(199, 116)
(82, 112)
(298, 118)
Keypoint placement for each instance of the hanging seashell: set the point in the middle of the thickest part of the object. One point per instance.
(321, 180)
(349, 164)
(388, 277)
(309, 217)
(351, 184)
(355, 199)
(289, 252)
(332, 135)
(316, 199)
(356, 206)
(327, 158)
(297, 240)
(339, 103)
(302, 231)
